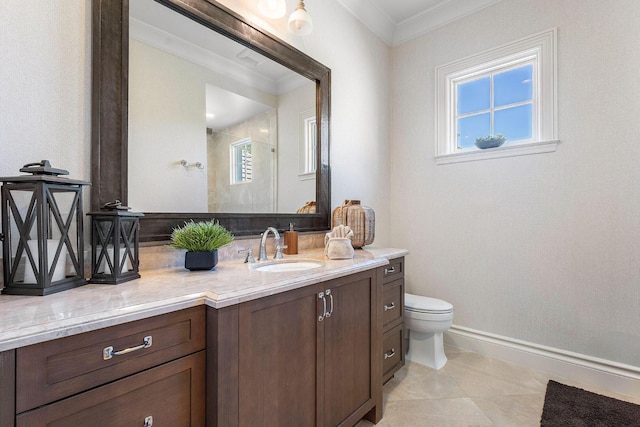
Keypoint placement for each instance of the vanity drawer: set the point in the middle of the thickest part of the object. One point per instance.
(393, 352)
(172, 394)
(56, 369)
(392, 303)
(394, 270)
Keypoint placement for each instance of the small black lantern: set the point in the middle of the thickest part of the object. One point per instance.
(43, 243)
(114, 244)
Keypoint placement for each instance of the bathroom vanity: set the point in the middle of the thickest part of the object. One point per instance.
(392, 301)
(219, 348)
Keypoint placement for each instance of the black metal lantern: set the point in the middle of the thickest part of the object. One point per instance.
(114, 244)
(43, 243)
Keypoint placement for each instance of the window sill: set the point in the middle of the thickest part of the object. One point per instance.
(498, 152)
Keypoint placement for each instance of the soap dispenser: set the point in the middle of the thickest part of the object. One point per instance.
(291, 241)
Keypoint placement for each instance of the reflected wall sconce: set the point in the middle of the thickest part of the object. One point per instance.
(300, 22)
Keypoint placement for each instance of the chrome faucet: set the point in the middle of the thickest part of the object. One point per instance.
(262, 255)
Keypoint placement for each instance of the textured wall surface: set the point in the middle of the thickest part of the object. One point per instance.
(543, 248)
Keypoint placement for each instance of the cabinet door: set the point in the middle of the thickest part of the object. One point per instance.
(278, 355)
(167, 395)
(350, 349)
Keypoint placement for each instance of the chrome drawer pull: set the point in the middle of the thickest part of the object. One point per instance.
(390, 354)
(389, 270)
(390, 306)
(324, 306)
(108, 352)
(148, 421)
(330, 295)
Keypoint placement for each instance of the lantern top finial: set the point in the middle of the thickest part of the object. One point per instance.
(115, 205)
(43, 167)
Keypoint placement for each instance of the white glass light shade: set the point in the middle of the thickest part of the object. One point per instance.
(273, 9)
(300, 21)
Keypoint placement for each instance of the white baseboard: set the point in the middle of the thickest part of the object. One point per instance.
(617, 377)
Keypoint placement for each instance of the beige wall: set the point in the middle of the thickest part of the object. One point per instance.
(543, 248)
(167, 124)
(293, 192)
(45, 85)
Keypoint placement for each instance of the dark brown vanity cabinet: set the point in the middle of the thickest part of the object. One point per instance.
(147, 372)
(307, 357)
(392, 310)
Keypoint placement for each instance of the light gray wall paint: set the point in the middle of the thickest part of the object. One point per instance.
(45, 85)
(542, 248)
(167, 124)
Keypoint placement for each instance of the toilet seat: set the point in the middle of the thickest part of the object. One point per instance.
(426, 305)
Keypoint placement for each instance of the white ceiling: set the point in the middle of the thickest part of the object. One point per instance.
(396, 21)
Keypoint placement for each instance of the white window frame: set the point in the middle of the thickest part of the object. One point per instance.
(233, 164)
(539, 49)
(307, 145)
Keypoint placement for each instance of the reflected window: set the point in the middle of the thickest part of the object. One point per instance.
(310, 144)
(241, 161)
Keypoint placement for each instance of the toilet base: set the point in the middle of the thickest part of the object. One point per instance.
(426, 349)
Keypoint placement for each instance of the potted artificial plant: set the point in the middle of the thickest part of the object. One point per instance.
(491, 141)
(201, 240)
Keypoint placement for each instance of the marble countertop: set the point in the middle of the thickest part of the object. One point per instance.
(26, 320)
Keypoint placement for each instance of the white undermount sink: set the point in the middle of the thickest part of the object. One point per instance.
(287, 265)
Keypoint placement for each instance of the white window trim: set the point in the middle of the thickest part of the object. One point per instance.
(307, 143)
(232, 161)
(541, 47)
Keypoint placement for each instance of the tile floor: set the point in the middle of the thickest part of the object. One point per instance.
(470, 390)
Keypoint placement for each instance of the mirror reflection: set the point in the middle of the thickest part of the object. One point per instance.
(214, 126)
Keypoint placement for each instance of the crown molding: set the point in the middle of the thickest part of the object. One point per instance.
(395, 33)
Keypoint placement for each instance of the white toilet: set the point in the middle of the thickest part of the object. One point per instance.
(425, 320)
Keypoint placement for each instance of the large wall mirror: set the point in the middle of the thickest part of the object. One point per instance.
(198, 114)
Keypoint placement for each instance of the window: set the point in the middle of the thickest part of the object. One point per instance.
(310, 145)
(509, 90)
(307, 145)
(241, 163)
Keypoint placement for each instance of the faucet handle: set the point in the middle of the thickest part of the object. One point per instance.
(279, 249)
(249, 258)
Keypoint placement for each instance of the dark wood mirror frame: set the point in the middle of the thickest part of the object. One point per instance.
(109, 140)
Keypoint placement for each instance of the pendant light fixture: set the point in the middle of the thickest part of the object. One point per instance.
(274, 9)
(300, 21)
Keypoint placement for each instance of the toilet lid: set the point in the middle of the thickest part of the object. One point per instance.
(426, 304)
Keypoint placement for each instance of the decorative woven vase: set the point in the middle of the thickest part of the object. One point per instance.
(308, 208)
(361, 220)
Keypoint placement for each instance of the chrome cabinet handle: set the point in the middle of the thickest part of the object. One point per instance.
(148, 421)
(389, 270)
(109, 352)
(330, 295)
(390, 306)
(324, 307)
(390, 354)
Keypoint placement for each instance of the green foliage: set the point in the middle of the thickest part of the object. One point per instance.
(200, 236)
(499, 137)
